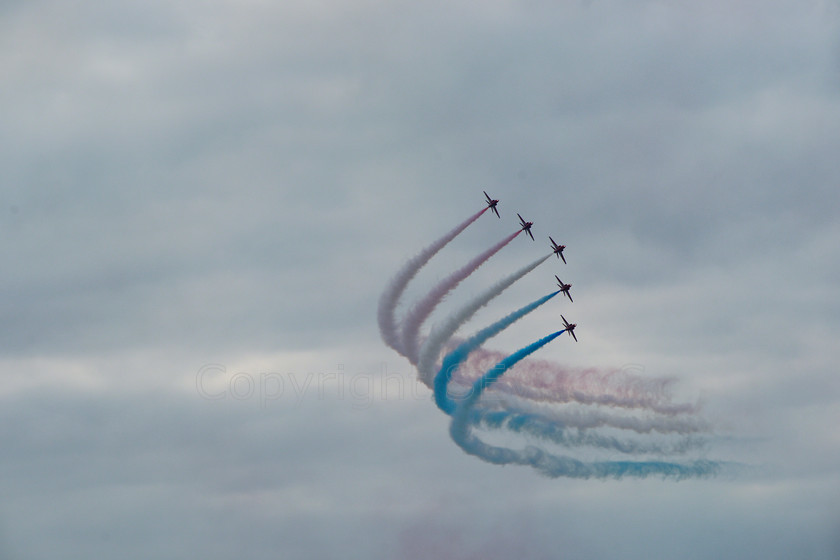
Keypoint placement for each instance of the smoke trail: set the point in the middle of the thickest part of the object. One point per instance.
(422, 309)
(549, 382)
(553, 425)
(554, 465)
(391, 296)
(441, 333)
(587, 417)
(454, 359)
(574, 436)
(496, 372)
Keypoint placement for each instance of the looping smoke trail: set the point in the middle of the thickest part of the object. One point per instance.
(390, 297)
(549, 464)
(422, 309)
(454, 359)
(441, 333)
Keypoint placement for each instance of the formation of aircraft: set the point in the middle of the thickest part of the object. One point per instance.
(558, 250)
(564, 287)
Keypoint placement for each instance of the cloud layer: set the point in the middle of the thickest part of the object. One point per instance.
(233, 183)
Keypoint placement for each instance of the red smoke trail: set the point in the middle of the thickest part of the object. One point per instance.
(395, 288)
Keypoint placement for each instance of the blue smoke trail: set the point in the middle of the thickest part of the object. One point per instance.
(499, 369)
(454, 359)
(546, 463)
(441, 333)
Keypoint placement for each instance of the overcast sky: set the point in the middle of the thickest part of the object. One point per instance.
(203, 200)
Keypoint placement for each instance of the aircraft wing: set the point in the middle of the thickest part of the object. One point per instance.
(573, 335)
(562, 257)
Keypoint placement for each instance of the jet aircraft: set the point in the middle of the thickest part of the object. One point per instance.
(570, 327)
(558, 249)
(526, 226)
(564, 288)
(491, 203)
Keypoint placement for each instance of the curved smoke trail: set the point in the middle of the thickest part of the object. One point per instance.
(441, 333)
(526, 416)
(422, 309)
(454, 359)
(547, 463)
(391, 296)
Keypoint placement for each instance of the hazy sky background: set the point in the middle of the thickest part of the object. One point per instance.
(204, 199)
